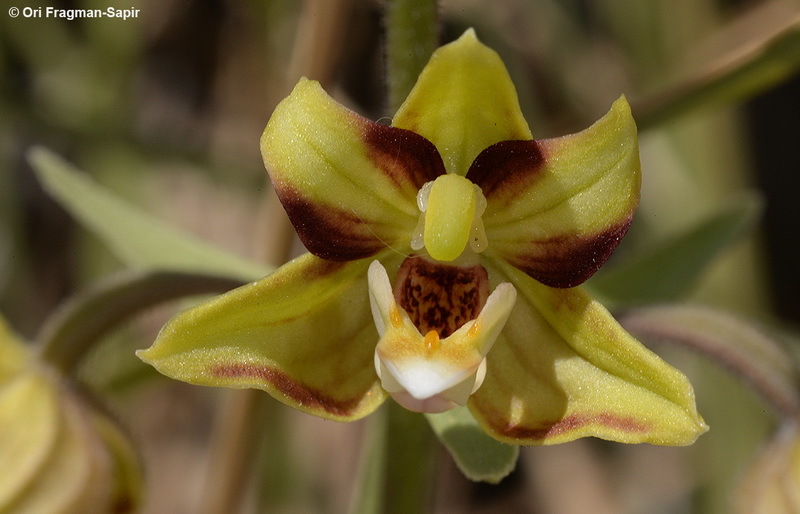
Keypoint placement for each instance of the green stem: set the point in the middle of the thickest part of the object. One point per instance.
(397, 467)
(412, 34)
(370, 491)
(83, 320)
(411, 451)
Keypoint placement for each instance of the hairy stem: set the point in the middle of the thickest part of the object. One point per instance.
(412, 35)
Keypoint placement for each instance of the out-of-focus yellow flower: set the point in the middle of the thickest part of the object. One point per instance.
(58, 452)
(772, 483)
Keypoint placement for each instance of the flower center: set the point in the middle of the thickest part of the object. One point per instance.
(451, 208)
(439, 370)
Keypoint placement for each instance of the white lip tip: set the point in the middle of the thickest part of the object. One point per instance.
(423, 379)
(433, 405)
(425, 386)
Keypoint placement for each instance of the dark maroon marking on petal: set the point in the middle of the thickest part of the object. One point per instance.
(574, 422)
(301, 395)
(323, 268)
(570, 260)
(328, 232)
(507, 168)
(406, 157)
(438, 296)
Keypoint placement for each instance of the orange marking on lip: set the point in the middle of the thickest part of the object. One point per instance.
(473, 330)
(395, 318)
(432, 341)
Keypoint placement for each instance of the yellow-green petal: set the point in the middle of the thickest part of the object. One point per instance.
(304, 334)
(563, 368)
(463, 102)
(557, 208)
(349, 185)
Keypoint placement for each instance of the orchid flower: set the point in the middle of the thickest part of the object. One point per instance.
(445, 255)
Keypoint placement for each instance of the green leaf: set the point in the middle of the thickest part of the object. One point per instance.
(137, 238)
(668, 271)
(757, 64)
(478, 456)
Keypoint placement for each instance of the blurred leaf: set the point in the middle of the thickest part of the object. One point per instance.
(668, 271)
(755, 65)
(736, 345)
(86, 317)
(478, 456)
(137, 238)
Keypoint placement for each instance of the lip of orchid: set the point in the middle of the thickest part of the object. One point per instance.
(425, 372)
(423, 378)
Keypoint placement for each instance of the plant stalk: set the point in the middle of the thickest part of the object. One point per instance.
(412, 34)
